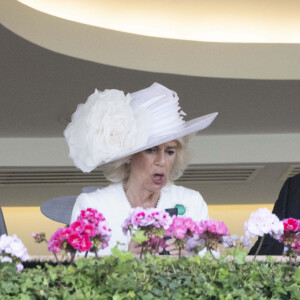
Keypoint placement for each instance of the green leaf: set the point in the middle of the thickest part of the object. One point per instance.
(122, 255)
(24, 297)
(52, 274)
(131, 294)
(140, 237)
(208, 255)
(270, 259)
(223, 273)
(124, 277)
(296, 276)
(239, 256)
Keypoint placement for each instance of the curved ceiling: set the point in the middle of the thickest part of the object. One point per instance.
(182, 53)
(40, 89)
(196, 20)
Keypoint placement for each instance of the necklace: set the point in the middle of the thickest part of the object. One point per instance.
(129, 200)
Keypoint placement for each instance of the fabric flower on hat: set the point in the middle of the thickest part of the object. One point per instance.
(103, 128)
(111, 126)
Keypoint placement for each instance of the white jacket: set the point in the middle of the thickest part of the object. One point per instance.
(111, 201)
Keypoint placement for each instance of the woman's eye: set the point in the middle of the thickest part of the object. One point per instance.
(170, 152)
(150, 150)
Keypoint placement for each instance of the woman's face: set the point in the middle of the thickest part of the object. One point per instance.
(151, 168)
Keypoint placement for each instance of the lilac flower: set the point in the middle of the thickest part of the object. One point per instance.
(6, 259)
(20, 267)
(230, 241)
(192, 243)
(236, 241)
(247, 243)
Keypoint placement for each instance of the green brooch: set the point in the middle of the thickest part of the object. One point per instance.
(181, 209)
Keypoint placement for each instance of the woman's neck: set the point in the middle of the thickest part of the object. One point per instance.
(138, 196)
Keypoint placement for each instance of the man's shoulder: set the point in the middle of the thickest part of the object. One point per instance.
(295, 179)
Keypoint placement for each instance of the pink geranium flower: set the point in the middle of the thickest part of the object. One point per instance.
(76, 226)
(65, 233)
(140, 217)
(210, 234)
(216, 227)
(55, 243)
(183, 230)
(178, 228)
(152, 223)
(89, 232)
(182, 227)
(80, 242)
(103, 229)
(91, 215)
(291, 224)
(291, 236)
(74, 240)
(85, 243)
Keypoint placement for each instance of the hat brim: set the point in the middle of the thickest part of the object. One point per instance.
(190, 127)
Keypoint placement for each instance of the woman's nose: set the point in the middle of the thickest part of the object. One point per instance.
(160, 159)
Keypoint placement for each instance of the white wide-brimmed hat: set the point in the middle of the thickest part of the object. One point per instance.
(112, 125)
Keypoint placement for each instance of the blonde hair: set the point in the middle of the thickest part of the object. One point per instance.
(119, 170)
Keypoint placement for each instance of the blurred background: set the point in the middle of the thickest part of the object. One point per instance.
(239, 58)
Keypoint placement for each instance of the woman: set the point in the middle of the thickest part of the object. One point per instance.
(142, 140)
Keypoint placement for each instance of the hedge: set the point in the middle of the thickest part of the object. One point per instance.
(124, 277)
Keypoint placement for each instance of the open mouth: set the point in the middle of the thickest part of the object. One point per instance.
(158, 178)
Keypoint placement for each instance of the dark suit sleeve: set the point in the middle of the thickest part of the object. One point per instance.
(2, 223)
(271, 246)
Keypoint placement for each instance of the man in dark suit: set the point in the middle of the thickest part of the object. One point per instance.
(2, 224)
(286, 206)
